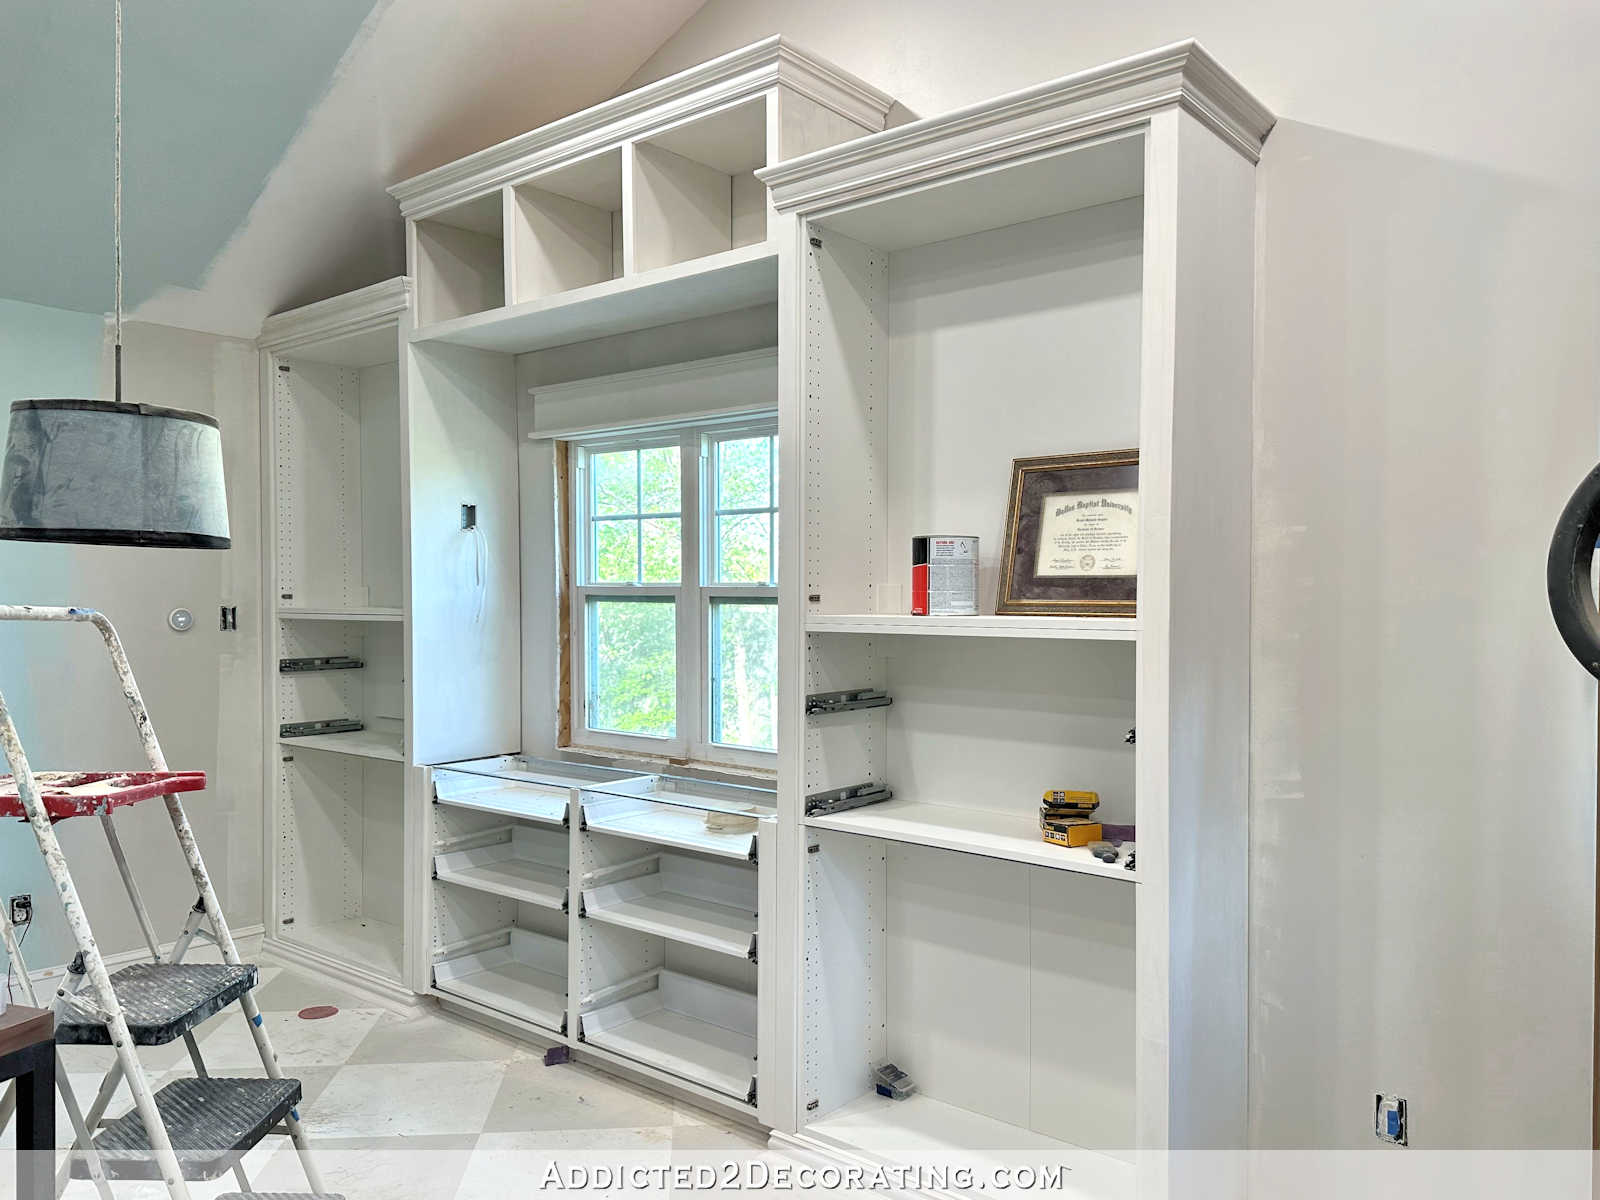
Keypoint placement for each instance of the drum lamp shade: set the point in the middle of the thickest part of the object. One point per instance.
(112, 474)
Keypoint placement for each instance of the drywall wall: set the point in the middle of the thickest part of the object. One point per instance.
(1426, 383)
(203, 687)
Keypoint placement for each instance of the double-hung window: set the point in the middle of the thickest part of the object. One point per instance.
(675, 606)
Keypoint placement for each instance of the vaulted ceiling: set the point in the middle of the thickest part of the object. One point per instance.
(258, 138)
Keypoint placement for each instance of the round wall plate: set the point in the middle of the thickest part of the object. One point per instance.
(181, 620)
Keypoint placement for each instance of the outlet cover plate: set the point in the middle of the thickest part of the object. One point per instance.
(1389, 1119)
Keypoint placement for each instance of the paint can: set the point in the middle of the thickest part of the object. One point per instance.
(944, 576)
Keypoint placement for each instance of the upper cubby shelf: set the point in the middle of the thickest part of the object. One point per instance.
(642, 211)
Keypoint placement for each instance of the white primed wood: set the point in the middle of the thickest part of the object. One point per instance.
(1065, 269)
(803, 125)
(1039, 321)
(339, 838)
(566, 228)
(464, 631)
(459, 271)
(844, 387)
(658, 397)
(726, 282)
(1194, 639)
(738, 75)
(684, 208)
(1113, 629)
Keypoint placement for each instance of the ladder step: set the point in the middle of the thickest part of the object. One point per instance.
(160, 1001)
(212, 1123)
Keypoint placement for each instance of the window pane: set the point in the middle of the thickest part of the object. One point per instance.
(616, 552)
(742, 548)
(743, 470)
(744, 673)
(616, 482)
(658, 475)
(633, 666)
(663, 549)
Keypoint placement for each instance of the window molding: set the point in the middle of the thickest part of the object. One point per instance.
(694, 596)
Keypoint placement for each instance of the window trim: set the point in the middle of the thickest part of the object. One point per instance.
(692, 596)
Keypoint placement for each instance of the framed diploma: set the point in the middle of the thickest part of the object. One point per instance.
(1072, 536)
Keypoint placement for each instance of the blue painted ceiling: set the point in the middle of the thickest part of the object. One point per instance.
(213, 92)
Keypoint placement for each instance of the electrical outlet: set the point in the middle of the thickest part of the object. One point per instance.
(1389, 1121)
(21, 909)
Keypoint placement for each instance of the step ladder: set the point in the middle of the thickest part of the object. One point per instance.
(193, 1128)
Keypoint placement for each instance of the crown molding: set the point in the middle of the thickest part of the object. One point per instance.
(353, 312)
(1049, 116)
(735, 76)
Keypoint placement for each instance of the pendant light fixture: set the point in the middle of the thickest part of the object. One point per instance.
(107, 473)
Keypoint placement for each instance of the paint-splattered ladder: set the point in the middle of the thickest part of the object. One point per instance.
(193, 1128)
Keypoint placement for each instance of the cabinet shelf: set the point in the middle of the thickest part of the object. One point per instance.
(922, 1129)
(1117, 629)
(504, 798)
(340, 614)
(688, 1027)
(701, 287)
(647, 905)
(518, 869)
(970, 831)
(383, 738)
(525, 977)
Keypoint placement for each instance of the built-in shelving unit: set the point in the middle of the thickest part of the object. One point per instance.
(1011, 281)
(609, 911)
(634, 233)
(669, 969)
(338, 588)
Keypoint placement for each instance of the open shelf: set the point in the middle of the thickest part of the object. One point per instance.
(567, 228)
(525, 789)
(921, 1129)
(688, 1027)
(383, 738)
(525, 977)
(1086, 628)
(718, 283)
(673, 812)
(289, 613)
(695, 193)
(530, 868)
(502, 797)
(971, 831)
(365, 941)
(683, 899)
(460, 260)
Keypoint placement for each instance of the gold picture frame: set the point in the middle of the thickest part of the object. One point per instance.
(1071, 545)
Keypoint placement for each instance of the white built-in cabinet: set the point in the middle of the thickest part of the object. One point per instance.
(450, 848)
(1065, 269)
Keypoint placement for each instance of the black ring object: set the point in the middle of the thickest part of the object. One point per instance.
(1567, 574)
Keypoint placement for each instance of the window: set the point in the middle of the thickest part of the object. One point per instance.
(675, 607)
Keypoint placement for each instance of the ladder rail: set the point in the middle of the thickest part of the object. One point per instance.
(187, 842)
(13, 949)
(99, 978)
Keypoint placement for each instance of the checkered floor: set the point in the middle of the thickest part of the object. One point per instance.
(415, 1103)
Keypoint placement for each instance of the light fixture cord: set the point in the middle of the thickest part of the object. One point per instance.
(116, 191)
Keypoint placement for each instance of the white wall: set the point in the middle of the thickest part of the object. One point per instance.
(1424, 750)
(203, 687)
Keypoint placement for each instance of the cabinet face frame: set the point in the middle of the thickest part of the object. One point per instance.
(1198, 137)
